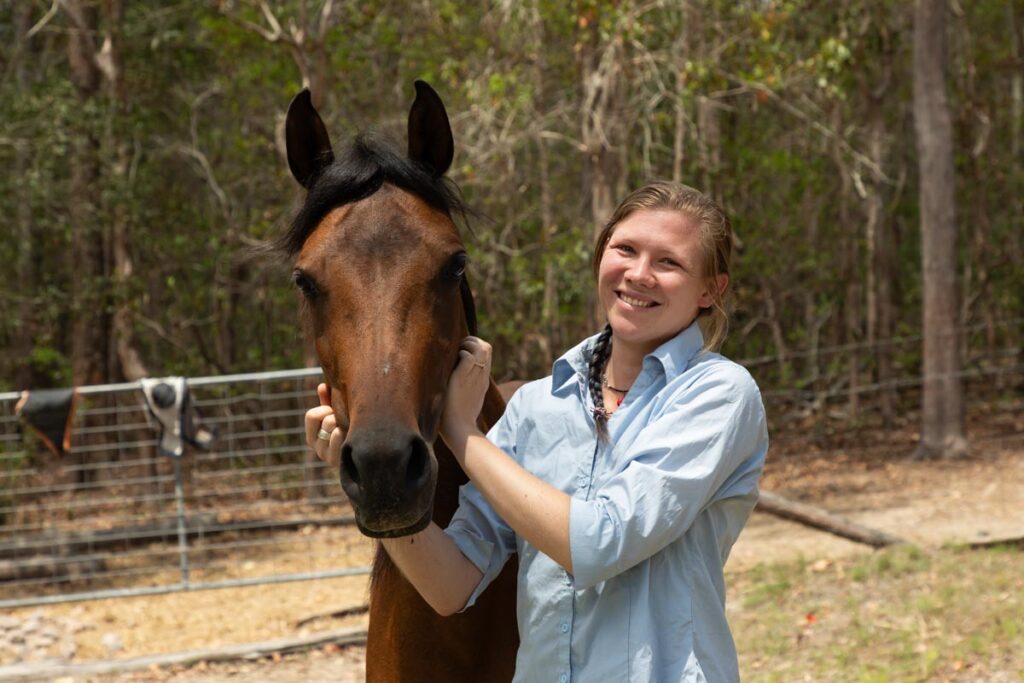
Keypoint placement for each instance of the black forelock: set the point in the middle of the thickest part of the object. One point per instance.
(357, 173)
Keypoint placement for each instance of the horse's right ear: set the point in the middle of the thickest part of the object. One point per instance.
(309, 146)
(430, 134)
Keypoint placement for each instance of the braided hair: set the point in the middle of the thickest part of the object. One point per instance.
(599, 356)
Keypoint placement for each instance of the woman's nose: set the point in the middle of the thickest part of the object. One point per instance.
(640, 272)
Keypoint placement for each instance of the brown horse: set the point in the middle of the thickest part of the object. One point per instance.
(381, 268)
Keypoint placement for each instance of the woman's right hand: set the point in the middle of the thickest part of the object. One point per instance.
(320, 421)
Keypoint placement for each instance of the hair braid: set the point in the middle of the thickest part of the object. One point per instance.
(598, 360)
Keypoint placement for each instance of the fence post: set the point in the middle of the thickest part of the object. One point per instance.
(179, 498)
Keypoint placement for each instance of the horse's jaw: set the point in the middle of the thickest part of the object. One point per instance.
(416, 527)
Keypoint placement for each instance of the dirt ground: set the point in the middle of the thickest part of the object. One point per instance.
(871, 482)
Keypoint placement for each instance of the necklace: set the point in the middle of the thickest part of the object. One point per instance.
(604, 382)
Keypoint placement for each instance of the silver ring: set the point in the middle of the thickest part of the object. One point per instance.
(323, 435)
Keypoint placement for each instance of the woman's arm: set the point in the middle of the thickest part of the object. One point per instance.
(711, 443)
(536, 510)
(430, 560)
(436, 567)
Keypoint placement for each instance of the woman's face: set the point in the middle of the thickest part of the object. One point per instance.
(650, 281)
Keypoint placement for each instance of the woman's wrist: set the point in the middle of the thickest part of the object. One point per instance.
(457, 437)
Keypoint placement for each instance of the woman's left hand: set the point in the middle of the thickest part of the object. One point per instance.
(466, 390)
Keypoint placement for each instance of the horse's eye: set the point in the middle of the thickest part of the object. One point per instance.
(455, 269)
(305, 284)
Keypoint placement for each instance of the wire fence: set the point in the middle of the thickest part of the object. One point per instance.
(114, 517)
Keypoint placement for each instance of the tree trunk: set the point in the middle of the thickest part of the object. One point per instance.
(681, 50)
(1016, 81)
(89, 342)
(879, 247)
(849, 264)
(942, 413)
(550, 338)
(125, 354)
(24, 336)
(603, 124)
(90, 321)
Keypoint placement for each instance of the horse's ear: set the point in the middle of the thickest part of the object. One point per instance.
(430, 135)
(309, 146)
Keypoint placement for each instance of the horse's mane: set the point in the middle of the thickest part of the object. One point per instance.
(358, 172)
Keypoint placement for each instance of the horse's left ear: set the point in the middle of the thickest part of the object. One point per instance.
(430, 135)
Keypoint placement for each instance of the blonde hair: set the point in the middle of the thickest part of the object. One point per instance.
(716, 238)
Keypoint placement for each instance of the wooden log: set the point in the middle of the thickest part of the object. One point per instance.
(49, 670)
(817, 518)
(999, 541)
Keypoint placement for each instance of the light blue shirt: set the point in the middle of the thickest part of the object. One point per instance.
(653, 515)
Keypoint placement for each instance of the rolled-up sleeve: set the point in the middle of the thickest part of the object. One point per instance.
(482, 536)
(695, 451)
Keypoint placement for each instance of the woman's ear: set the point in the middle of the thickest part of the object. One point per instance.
(708, 298)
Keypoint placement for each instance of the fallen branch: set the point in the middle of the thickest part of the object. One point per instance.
(1010, 541)
(49, 670)
(815, 517)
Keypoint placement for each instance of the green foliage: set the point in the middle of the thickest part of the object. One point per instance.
(776, 100)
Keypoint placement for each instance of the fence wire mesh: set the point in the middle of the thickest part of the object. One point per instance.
(114, 517)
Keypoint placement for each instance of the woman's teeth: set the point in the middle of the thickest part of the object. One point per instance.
(636, 302)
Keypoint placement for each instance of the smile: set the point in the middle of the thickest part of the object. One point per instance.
(637, 303)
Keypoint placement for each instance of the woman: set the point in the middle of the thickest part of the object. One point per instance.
(623, 479)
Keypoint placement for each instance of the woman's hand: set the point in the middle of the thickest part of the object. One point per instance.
(466, 390)
(322, 433)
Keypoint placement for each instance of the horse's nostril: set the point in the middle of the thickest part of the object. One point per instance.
(348, 464)
(417, 465)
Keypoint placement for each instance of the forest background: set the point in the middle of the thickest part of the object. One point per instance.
(143, 148)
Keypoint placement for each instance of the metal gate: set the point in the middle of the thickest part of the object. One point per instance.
(114, 517)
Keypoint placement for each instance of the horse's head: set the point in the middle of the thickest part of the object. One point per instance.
(379, 263)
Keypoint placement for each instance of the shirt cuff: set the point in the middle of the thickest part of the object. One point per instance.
(589, 533)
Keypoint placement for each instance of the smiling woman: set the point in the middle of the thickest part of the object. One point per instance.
(622, 480)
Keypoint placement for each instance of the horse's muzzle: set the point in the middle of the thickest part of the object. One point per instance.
(389, 476)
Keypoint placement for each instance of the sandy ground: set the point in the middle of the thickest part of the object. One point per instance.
(927, 503)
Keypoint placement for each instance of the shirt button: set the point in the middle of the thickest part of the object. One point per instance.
(564, 678)
(565, 627)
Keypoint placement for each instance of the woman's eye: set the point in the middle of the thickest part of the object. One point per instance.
(305, 285)
(624, 248)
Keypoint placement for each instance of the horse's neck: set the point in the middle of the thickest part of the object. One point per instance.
(449, 474)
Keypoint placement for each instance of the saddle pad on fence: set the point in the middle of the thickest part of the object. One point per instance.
(49, 412)
(170, 405)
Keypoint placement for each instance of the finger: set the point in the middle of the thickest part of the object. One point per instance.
(478, 347)
(329, 423)
(471, 343)
(314, 416)
(466, 361)
(323, 392)
(333, 450)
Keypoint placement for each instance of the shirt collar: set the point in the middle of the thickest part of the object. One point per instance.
(674, 355)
